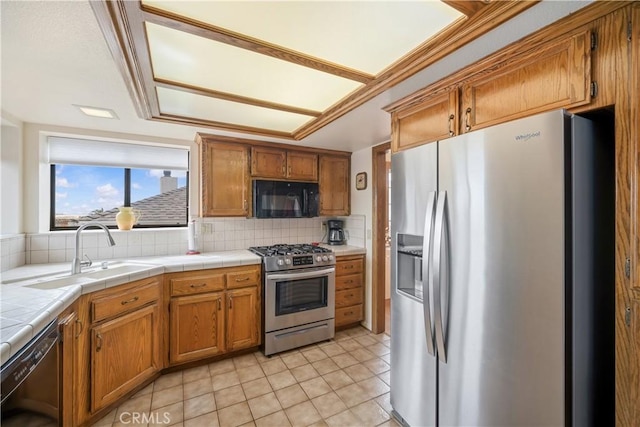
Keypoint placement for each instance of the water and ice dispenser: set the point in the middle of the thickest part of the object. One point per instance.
(409, 264)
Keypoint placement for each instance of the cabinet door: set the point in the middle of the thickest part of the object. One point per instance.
(302, 166)
(334, 185)
(225, 185)
(430, 120)
(268, 162)
(124, 353)
(196, 327)
(68, 366)
(243, 318)
(558, 76)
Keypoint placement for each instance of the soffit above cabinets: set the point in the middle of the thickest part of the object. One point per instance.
(280, 68)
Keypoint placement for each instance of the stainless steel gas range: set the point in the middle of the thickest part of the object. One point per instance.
(298, 297)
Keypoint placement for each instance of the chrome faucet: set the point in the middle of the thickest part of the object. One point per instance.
(77, 263)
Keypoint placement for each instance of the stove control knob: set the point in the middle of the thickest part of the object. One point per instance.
(324, 258)
(287, 261)
(318, 258)
(280, 262)
(330, 257)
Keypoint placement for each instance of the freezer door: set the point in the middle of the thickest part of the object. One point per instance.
(502, 275)
(413, 369)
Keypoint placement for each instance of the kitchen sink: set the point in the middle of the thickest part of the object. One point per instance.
(116, 270)
(60, 283)
(113, 269)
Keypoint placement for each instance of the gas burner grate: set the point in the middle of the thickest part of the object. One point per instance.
(283, 249)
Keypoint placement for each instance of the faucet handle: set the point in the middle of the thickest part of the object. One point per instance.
(86, 263)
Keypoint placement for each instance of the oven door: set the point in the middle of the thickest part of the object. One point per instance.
(298, 297)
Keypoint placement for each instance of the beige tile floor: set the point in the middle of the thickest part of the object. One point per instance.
(344, 382)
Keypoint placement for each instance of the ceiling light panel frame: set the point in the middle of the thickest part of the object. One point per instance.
(354, 34)
(184, 58)
(123, 24)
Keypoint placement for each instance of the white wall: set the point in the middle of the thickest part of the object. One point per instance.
(361, 204)
(11, 176)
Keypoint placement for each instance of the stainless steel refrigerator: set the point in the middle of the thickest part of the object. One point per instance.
(502, 276)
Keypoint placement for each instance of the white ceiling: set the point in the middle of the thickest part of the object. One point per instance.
(54, 55)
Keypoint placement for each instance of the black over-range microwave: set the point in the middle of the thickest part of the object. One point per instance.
(281, 199)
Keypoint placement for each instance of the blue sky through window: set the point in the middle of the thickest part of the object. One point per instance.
(84, 189)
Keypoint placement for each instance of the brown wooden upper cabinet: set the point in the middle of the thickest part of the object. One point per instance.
(226, 182)
(557, 76)
(426, 120)
(496, 90)
(334, 185)
(267, 162)
(228, 166)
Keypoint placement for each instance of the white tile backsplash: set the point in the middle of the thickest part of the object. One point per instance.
(213, 234)
(12, 251)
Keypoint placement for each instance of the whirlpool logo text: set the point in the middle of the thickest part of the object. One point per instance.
(527, 136)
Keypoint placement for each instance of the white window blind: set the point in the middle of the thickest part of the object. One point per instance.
(102, 153)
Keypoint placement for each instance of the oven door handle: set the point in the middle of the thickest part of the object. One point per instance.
(304, 275)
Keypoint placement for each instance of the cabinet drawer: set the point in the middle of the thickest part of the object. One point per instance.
(349, 266)
(197, 284)
(348, 297)
(347, 315)
(348, 282)
(131, 299)
(242, 278)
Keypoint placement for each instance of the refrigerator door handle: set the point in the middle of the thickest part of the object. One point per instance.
(440, 273)
(427, 279)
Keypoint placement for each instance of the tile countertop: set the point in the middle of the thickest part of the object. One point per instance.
(25, 311)
(341, 250)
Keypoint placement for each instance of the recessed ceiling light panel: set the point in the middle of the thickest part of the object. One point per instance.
(103, 113)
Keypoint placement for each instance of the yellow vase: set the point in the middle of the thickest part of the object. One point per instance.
(127, 218)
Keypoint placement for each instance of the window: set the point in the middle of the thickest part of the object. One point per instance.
(91, 180)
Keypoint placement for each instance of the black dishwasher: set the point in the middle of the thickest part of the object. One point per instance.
(30, 392)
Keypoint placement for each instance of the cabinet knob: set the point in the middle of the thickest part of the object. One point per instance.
(219, 304)
(230, 302)
(243, 279)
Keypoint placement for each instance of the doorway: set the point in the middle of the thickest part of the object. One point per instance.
(381, 171)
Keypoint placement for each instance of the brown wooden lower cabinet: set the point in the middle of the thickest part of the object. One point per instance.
(125, 351)
(349, 290)
(243, 318)
(111, 346)
(196, 326)
(206, 323)
(116, 340)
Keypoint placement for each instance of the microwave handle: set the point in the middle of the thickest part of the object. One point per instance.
(305, 202)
